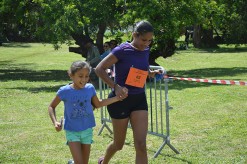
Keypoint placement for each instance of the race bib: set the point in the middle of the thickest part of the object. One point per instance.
(136, 77)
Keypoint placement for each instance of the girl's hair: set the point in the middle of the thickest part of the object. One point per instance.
(77, 65)
(143, 27)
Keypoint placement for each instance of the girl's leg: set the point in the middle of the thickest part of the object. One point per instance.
(80, 152)
(76, 151)
(119, 132)
(139, 124)
(85, 148)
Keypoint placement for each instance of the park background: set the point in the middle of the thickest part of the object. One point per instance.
(208, 122)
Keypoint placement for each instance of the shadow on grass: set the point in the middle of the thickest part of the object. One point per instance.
(176, 158)
(32, 75)
(53, 88)
(205, 73)
(16, 45)
(214, 50)
(209, 72)
(14, 72)
(227, 50)
(151, 151)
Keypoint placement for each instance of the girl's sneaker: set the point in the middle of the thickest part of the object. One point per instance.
(71, 161)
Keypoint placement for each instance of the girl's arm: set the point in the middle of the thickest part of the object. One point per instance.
(97, 103)
(52, 113)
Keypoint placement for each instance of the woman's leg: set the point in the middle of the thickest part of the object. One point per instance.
(139, 124)
(119, 132)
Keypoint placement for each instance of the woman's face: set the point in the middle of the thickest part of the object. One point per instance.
(142, 41)
(106, 47)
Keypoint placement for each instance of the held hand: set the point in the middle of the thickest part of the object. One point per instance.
(121, 92)
(58, 126)
(125, 90)
(154, 72)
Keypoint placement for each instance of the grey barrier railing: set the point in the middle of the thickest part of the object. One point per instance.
(158, 108)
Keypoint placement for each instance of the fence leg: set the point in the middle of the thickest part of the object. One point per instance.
(173, 148)
(167, 118)
(103, 126)
(167, 139)
(103, 122)
(159, 150)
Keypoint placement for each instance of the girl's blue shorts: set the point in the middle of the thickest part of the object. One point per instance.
(84, 137)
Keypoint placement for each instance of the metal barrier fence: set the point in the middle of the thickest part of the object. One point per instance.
(158, 109)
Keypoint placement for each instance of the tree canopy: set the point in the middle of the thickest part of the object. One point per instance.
(58, 21)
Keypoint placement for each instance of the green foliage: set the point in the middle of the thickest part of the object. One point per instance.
(56, 21)
(75, 17)
(18, 19)
(234, 22)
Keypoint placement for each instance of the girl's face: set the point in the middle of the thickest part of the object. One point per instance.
(142, 41)
(80, 78)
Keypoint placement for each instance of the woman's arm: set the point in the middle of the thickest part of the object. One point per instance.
(100, 70)
(52, 113)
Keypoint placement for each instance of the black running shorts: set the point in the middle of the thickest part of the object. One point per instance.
(123, 109)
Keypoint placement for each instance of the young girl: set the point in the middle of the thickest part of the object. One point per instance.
(79, 99)
(129, 58)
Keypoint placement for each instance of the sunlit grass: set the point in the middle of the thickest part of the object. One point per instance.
(208, 121)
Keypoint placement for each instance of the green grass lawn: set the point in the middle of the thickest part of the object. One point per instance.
(208, 121)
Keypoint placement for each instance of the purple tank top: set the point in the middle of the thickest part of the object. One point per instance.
(129, 57)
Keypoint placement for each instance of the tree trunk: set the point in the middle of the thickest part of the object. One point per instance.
(197, 36)
(165, 49)
(79, 40)
(100, 37)
(208, 39)
(203, 38)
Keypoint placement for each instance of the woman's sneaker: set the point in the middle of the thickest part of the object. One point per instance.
(101, 159)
